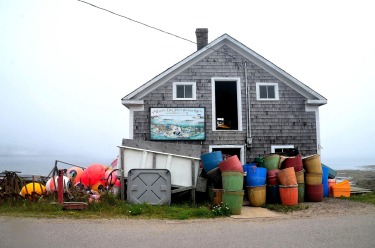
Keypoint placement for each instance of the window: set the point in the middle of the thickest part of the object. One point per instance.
(184, 91)
(230, 150)
(281, 148)
(267, 91)
(226, 104)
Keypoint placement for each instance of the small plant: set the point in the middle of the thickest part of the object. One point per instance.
(135, 209)
(221, 210)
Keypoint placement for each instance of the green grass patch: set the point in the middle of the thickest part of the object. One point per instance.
(285, 209)
(108, 207)
(365, 198)
(111, 207)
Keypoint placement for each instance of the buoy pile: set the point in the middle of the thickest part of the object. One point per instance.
(93, 180)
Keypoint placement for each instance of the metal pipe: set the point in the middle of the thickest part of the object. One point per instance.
(70, 164)
(248, 119)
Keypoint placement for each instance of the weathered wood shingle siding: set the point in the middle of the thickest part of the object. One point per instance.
(280, 122)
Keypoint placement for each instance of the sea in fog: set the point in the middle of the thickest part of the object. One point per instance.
(43, 165)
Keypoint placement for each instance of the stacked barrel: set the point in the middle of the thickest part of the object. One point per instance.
(313, 178)
(296, 163)
(233, 181)
(210, 162)
(226, 177)
(270, 179)
(255, 184)
(271, 162)
(288, 181)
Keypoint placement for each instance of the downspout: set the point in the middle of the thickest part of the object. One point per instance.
(249, 139)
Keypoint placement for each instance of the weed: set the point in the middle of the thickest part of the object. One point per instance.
(221, 210)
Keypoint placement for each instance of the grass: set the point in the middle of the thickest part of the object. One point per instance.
(108, 207)
(121, 209)
(111, 207)
(364, 198)
(285, 209)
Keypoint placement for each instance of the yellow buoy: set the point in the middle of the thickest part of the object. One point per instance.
(31, 188)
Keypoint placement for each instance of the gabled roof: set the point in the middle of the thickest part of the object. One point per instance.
(313, 97)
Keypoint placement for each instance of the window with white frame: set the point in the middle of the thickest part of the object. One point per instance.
(226, 104)
(230, 150)
(184, 91)
(267, 91)
(280, 148)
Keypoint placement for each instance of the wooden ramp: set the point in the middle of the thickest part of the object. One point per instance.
(356, 190)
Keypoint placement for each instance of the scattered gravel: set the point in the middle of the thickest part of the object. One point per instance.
(332, 207)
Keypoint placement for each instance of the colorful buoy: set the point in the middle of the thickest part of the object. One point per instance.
(31, 188)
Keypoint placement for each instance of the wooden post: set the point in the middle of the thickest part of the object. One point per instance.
(122, 178)
(60, 191)
(193, 182)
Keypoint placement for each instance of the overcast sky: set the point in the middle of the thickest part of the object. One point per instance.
(65, 65)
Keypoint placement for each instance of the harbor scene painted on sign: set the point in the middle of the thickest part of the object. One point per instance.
(177, 124)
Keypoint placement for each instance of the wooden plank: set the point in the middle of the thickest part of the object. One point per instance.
(357, 190)
(122, 178)
(182, 189)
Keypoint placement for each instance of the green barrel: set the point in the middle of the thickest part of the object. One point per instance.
(271, 161)
(232, 180)
(234, 201)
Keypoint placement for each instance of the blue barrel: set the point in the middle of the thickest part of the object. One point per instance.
(211, 160)
(255, 176)
(245, 166)
(325, 181)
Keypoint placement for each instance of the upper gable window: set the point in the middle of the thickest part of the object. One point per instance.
(226, 104)
(267, 91)
(184, 91)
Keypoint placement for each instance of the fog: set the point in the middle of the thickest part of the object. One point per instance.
(65, 65)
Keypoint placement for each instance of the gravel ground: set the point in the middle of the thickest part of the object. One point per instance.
(339, 207)
(330, 207)
(333, 207)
